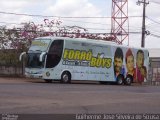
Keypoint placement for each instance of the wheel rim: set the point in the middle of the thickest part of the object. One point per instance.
(120, 80)
(65, 78)
(128, 80)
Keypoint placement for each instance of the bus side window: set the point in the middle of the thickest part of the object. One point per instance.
(54, 54)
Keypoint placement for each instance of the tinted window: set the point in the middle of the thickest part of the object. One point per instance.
(55, 53)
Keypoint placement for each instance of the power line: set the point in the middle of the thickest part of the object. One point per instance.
(65, 20)
(131, 27)
(19, 30)
(154, 32)
(88, 28)
(155, 2)
(151, 24)
(11, 13)
(85, 27)
(56, 26)
(86, 22)
(11, 23)
(153, 20)
(22, 14)
(154, 35)
(44, 16)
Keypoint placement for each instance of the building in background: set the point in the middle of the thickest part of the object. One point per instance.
(154, 72)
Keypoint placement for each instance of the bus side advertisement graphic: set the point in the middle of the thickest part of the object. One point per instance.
(85, 58)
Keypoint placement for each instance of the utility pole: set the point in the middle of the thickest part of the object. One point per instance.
(143, 21)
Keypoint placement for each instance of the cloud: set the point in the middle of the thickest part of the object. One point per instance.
(83, 8)
(72, 8)
(12, 5)
(76, 8)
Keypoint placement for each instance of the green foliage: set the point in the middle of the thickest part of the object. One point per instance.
(9, 58)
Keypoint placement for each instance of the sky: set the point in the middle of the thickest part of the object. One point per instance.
(61, 9)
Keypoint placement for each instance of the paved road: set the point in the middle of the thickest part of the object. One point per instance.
(19, 95)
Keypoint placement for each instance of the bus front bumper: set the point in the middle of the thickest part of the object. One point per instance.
(33, 75)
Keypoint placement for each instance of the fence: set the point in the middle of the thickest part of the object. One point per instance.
(11, 71)
(9, 63)
(154, 71)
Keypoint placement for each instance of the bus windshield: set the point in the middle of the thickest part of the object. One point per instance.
(33, 61)
(40, 45)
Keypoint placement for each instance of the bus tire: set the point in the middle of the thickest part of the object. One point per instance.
(66, 77)
(120, 79)
(128, 80)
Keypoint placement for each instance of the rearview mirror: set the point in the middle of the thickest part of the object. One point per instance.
(21, 56)
(41, 56)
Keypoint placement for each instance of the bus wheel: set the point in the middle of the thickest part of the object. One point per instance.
(128, 80)
(66, 77)
(120, 79)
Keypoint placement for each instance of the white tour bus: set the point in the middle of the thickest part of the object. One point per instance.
(66, 59)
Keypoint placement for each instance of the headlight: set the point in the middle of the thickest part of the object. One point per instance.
(47, 74)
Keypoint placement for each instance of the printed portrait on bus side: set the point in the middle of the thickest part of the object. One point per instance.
(141, 72)
(118, 63)
(129, 59)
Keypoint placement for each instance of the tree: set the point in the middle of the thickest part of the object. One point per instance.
(21, 38)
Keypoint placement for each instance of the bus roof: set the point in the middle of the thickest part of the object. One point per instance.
(78, 39)
(86, 40)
